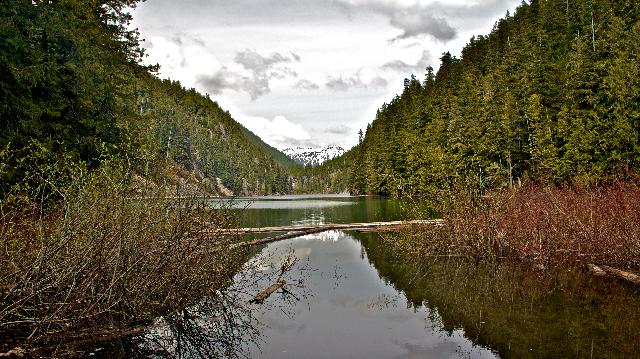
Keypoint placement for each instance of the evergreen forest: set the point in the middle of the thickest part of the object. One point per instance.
(107, 241)
(73, 90)
(550, 96)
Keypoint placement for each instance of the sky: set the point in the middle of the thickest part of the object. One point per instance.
(306, 72)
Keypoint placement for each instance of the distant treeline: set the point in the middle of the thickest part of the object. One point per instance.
(72, 85)
(551, 95)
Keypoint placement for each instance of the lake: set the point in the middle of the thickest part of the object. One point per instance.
(349, 296)
(304, 209)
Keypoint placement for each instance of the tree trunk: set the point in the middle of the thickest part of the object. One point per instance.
(603, 270)
(262, 296)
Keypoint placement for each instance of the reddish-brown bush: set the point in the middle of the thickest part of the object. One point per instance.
(543, 226)
(572, 225)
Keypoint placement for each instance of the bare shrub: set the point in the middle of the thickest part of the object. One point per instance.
(574, 225)
(543, 226)
(97, 264)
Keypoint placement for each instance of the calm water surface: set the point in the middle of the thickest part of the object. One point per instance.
(362, 301)
(345, 309)
(302, 209)
(350, 296)
(349, 310)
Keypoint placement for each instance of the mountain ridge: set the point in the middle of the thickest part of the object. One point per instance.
(313, 156)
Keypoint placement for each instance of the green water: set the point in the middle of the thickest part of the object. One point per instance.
(304, 209)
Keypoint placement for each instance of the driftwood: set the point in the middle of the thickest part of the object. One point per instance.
(298, 231)
(328, 227)
(606, 270)
(595, 270)
(281, 237)
(262, 296)
(286, 266)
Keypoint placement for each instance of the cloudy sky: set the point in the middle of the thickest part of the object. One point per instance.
(307, 72)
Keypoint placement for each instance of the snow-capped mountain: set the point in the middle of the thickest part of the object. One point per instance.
(313, 156)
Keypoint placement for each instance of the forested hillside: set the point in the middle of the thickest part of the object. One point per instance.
(72, 87)
(551, 95)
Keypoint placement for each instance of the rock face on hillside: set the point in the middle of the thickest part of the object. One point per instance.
(221, 189)
(310, 156)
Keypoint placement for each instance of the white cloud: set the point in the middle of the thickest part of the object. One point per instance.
(253, 61)
(291, 42)
(279, 132)
(363, 78)
(306, 85)
(256, 76)
(179, 56)
(225, 78)
(405, 68)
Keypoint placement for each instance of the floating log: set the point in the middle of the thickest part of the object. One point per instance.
(633, 278)
(303, 230)
(595, 270)
(281, 237)
(341, 226)
(262, 296)
(627, 276)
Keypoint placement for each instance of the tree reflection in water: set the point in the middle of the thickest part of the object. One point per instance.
(513, 309)
(226, 324)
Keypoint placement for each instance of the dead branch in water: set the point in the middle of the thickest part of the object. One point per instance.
(606, 270)
(262, 296)
(336, 226)
(286, 266)
(298, 231)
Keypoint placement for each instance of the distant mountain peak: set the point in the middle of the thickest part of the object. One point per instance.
(313, 156)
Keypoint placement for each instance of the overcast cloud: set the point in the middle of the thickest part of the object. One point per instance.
(306, 85)
(405, 68)
(413, 19)
(338, 130)
(261, 69)
(363, 78)
(307, 72)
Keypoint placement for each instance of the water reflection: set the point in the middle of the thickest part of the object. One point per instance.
(227, 324)
(287, 210)
(218, 327)
(350, 295)
(350, 311)
(517, 312)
